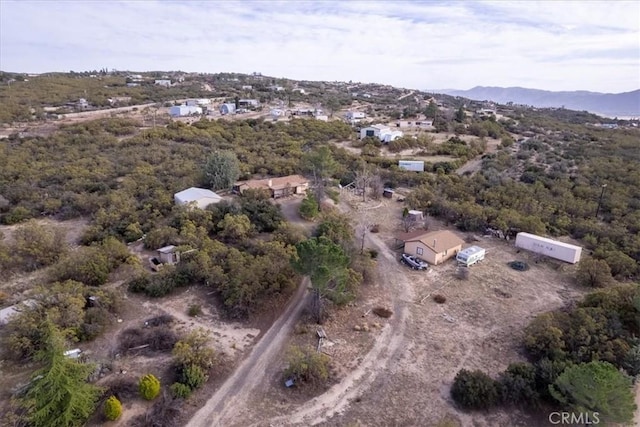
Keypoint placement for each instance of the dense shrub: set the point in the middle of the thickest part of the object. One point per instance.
(475, 390)
(180, 390)
(149, 387)
(518, 384)
(192, 376)
(309, 207)
(112, 408)
(307, 366)
(157, 339)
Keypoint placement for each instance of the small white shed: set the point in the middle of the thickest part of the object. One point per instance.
(470, 255)
(197, 197)
(411, 165)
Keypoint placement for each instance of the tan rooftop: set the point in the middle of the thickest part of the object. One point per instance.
(274, 183)
(437, 241)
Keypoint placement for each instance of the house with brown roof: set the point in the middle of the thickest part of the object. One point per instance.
(435, 247)
(278, 187)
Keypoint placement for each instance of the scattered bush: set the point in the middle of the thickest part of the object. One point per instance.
(375, 228)
(163, 319)
(373, 253)
(112, 408)
(180, 390)
(474, 390)
(594, 273)
(440, 299)
(158, 339)
(307, 366)
(382, 312)
(193, 376)
(149, 387)
(194, 310)
(193, 351)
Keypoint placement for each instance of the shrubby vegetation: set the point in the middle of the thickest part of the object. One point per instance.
(307, 367)
(149, 387)
(575, 359)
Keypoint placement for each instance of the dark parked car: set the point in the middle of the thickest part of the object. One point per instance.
(414, 262)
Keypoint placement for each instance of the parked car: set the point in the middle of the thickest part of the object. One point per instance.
(414, 262)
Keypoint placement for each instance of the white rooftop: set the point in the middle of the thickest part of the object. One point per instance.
(194, 194)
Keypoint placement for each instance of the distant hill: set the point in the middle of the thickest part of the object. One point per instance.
(608, 104)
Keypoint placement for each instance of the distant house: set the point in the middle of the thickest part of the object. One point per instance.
(277, 112)
(275, 88)
(322, 117)
(354, 116)
(248, 103)
(119, 100)
(435, 247)
(382, 132)
(277, 187)
(247, 87)
(196, 197)
(299, 90)
(227, 108)
(184, 110)
(82, 104)
(421, 124)
(162, 82)
(201, 102)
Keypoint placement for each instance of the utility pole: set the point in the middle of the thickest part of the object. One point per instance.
(600, 200)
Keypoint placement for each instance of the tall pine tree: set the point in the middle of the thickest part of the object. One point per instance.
(59, 394)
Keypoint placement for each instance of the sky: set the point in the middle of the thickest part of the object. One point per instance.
(552, 45)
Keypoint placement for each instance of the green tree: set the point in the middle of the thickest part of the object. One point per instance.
(474, 390)
(432, 110)
(149, 387)
(193, 350)
(594, 273)
(59, 395)
(596, 387)
(326, 264)
(460, 115)
(112, 408)
(518, 384)
(321, 164)
(309, 208)
(221, 170)
(235, 227)
(37, 246)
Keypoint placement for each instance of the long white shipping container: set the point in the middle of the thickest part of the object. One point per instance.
(549, 247)
(411, 165)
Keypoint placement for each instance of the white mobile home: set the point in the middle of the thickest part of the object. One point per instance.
(410, 165)
(470, 255)
(184, 110)
(549, 247)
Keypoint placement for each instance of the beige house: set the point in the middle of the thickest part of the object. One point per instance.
(435, 247)
(277, 187)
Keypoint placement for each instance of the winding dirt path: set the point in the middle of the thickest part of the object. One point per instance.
(386, 349)
(221, 408)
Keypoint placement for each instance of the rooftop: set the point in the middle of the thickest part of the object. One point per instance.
(195, 193)
(274, 183)
(437, 241)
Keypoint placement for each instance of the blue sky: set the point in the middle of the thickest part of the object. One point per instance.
(586, 45)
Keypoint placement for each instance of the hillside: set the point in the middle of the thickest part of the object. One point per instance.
(609, 104)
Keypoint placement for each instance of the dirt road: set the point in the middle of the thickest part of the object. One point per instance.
(221, 408)
(389, 345)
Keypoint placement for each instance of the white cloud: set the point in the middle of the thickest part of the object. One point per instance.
(548, 45)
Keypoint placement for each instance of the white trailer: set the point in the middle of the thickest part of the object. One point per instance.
(411, 165)
(470, 255)
(549, 247)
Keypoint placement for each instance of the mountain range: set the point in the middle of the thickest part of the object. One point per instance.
(626, 104)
